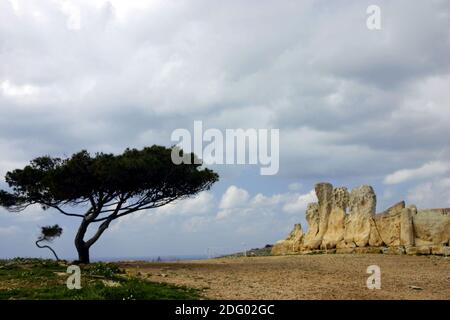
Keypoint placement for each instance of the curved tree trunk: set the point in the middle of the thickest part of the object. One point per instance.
(84, 246)
(83, 255)
(80, 244)
(48, 247)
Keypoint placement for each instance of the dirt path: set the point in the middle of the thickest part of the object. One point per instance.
(306, 277)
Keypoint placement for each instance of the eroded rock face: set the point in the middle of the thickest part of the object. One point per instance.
(362, 209)
(292, 243)
(336, 220)
(398, 207)
(312, 217)
(432, 226)
(363, 201)
(399, 229)
(407, 226)
(324, 193)
(386, 226)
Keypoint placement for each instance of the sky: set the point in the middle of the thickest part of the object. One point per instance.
(354, 106)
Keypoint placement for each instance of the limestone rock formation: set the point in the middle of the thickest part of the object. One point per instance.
(386, 226)
(407, 226)
(432, 226)
(336, 221)
(292, 242)
(362, 209)
(312, 217)
(346, 222)
(324, 193)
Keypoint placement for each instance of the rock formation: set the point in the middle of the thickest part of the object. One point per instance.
(346, 222)
(292, 242)
(336, 222)
(312, 217)
(362, 210)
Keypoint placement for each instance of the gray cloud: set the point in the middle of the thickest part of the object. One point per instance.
(352, 105)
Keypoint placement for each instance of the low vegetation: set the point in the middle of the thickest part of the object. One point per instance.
(255, 252)
(46, 279)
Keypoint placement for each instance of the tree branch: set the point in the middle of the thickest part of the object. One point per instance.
(105, 224)
(139, 209)
(62, 211)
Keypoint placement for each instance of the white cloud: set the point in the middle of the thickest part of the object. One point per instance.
(73, 14)
(234, 197)
(127, 74)
(6, 166)
(254, 219)
(431, 194)
(260, 205)
(33, 213)
(10, 89)
(127, 9)
(201, 204)
(428, 170)
(198, 205)
(300, 203)
(261, 200)
(9, 231)
(196, 223)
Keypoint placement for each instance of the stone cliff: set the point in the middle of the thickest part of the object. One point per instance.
(347, 222)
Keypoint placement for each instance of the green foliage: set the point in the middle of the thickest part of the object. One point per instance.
(75, 180)
(108, 270)
(109, 186)
(48, 233)
(46, 279)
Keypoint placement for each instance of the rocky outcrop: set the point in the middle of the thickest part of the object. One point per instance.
(407, 226)
(347, 222)
(292, 242)
(386, 226)
(334, 234)
(312, 217)
(363, 202)
(432, 226)
(324, 193)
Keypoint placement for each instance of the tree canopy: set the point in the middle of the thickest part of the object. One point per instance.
(48, 234)
(108, 186)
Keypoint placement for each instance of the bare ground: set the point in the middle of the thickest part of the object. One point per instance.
(335, 276)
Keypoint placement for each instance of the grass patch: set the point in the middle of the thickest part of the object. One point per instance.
(46, 279)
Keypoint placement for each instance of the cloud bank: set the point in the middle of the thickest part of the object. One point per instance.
(353, 106)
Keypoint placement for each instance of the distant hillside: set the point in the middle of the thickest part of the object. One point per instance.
(255, 252)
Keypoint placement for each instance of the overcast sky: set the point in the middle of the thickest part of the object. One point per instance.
(354, 106)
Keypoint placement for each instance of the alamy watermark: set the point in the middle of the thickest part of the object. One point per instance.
(373, 21)
(374, 280)
(236, 146)
(74, 280)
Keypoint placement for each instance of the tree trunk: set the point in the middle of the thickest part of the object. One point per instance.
(48, 247)
(80, 244)
(83, 254)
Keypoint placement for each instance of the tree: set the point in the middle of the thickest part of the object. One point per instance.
(48, 234)
(106, 186)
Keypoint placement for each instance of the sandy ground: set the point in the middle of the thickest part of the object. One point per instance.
(306, 277)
